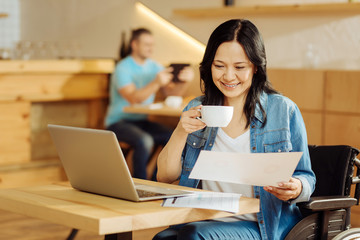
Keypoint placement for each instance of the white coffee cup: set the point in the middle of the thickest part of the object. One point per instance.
(216, 116)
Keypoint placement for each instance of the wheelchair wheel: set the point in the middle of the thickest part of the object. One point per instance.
(351, 234)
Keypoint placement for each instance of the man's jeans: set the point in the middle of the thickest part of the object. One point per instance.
(142, 135)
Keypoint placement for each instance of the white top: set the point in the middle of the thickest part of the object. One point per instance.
(241, 144)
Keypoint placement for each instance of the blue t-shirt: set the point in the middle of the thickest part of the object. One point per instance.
(127, 71)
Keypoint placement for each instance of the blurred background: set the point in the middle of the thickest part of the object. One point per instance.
(92, 29)
(57, 56)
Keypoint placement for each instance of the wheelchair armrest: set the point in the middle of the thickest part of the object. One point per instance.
(328, 203)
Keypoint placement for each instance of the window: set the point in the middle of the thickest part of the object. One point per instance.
(10, 25)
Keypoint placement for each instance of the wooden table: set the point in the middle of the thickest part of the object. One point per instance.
(159, 109)
(61, 204)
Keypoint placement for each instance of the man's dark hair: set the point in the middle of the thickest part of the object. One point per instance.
(247, 35)
(135, 35)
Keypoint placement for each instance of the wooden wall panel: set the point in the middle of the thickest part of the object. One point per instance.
(104, 66)
(342, 129)
(343, 91)
(96, 113)
(32, 176)
(304, 87)
(313, 124)
(46, 87)
(14, 132)
(71, 113)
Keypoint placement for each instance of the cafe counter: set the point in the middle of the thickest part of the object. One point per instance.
(37, 92)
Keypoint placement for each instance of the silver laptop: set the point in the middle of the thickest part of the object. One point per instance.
(93, 162)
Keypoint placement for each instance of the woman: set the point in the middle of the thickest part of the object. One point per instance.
(233, 73)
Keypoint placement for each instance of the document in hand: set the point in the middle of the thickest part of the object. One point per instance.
(259, 169)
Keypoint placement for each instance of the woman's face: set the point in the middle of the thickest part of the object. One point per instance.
(232, 71)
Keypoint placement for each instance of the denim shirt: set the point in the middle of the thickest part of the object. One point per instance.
(284, 131)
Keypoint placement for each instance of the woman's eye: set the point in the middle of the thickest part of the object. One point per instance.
(239, 67)
(218, 66)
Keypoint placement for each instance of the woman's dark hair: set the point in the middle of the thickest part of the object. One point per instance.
(245, 33)
(135, 35)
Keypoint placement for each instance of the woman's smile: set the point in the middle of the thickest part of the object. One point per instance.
(233, 85)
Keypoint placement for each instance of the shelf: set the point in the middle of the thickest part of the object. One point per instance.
(35, 164)
(279, 10)
(57, 66)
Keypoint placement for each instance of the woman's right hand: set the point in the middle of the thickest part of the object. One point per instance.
(188, 121)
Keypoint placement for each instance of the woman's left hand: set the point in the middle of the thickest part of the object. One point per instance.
(286, 190)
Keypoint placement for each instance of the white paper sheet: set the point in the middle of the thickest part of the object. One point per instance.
(228, 202)
(259, 169)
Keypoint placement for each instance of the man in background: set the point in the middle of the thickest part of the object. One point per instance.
(137, 79)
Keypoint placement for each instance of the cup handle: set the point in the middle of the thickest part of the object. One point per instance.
(198, 118)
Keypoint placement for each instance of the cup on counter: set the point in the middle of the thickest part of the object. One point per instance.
(173, 101)
(216, 116)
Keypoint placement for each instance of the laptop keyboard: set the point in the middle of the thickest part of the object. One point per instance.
(144, 193)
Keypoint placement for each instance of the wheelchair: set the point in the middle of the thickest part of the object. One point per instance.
(327, 213)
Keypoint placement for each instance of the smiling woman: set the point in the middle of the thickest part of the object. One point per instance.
(233, 73)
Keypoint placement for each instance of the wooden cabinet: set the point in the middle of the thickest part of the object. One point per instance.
(342, 92)
(35, 93)
(328, 100)
(14, 132)
(306, 89)
(330, 105)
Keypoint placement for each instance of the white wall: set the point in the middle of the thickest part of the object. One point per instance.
(9, 26)
(169, 46)
(97, 24)
(336, 39)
